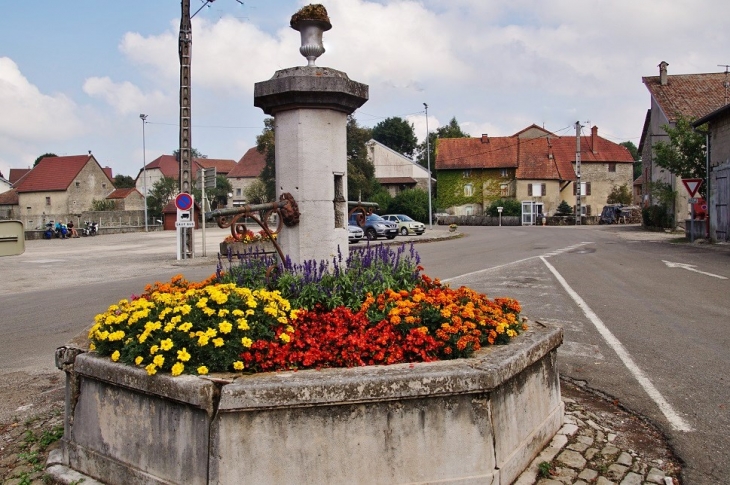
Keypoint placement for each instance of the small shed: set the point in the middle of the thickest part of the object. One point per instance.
(169, 216)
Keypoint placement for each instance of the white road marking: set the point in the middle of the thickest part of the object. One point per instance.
(674, 419)
(691, 267)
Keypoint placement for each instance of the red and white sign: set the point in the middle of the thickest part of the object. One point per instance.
(692, 185)
(184, 202)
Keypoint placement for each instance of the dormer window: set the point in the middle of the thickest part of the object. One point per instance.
(466, 173)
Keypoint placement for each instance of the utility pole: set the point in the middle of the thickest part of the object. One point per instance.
(428, 166)
(143, 117)
(578, 210)
(185, 47)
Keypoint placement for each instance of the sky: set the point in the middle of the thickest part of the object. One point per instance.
(75, 76)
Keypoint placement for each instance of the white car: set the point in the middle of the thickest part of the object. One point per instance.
(355, 233)
(406, 225)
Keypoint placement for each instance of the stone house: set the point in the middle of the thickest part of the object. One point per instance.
(127, 199)
(9, 208)
(394, 171)
(61, 186)
(718, 142)
(690, 95)
(168, 166)
(246, 171)
(532, 166)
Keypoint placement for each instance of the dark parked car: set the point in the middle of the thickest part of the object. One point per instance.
(375, 227)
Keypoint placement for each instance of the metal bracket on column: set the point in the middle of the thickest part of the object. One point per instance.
(286, 210)
(362, 209)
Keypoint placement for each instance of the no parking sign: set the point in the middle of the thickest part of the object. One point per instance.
(184, 203)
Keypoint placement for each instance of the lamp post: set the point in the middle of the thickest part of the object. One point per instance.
(428, 167)
(143, 117)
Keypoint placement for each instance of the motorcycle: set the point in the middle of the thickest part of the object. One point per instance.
(90, 229)
(50, 230)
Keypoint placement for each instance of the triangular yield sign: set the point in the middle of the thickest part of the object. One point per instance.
(692, 185)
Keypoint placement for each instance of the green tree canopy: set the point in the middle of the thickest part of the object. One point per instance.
(635, 155)
(620, 195)
(510, 207)
(160, 194)
(255, 193)
(42, 157)
(265, 144)
(450, 130)
(360, 171)
(684, 153)
(411, 202)
(123, 181)
(397, 134)
(217, 196)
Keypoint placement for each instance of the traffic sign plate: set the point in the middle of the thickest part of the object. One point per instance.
(184, 201)
(693, 200)
(184, 223)
(692, 185)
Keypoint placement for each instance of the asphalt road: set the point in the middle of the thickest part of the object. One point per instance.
(651, 336)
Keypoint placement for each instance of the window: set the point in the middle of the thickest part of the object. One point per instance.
(238, 192)
(612, 167)
(504, 190)
(585, 188)
(103, 186)
(536, 190)
(466, 174)
(48, 201)
(504, 173)
(78, 184)
(468, 190)
(469, 210)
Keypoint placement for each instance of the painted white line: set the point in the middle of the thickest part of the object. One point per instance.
(482, 271)
(691, 267)
(674, 419)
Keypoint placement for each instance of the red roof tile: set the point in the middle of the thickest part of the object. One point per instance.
(170, 167)
(17, 174)
(122, 193)
(691, 95)
(222, 166)
(461, 153)
(9, 197)
(167, 164)
(250, 165)
(54, 173)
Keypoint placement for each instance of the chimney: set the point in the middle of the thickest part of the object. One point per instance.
(550, 148)
(594, 139)
(485, 138)
(663, 73)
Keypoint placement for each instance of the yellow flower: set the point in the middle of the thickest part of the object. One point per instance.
(202, 370)
(115, 356)
(208, 311)
(154, 349)
(225, 326)
(177, 369)
(158, 360)
(237, 313)
(242, 324)
(203, 340)
(166, 344)
(185, 327)
(285, 337)
(183, 355)
(222, 312)
(238, 365)
(92, 346)
(247, 342)
(138, 360)
(151, 369)
(218, 342)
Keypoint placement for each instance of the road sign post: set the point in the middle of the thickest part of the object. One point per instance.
(692, 186)
(184, 203)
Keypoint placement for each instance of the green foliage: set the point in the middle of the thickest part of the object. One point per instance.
(510, 207)
(636, 156)
(411, 202)
(360, 171)
(37, 160)
(659, 215)
(397, 134)
(194, 153)
(256, 193)
(123, 182)
(662, 193)
(265, 144)
(620, 195)
(545, 469)
(684, 154)
(218, 195)
(103, 205)
(451, 130)
(564, 209)
(160, 194)
(451, 187)
(382, 197)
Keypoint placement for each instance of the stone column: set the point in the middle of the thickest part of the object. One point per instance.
(310, 105)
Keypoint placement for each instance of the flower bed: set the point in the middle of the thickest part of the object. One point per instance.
(374, 308)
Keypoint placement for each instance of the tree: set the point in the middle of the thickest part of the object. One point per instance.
(217, 196)
(635, 155)
(265, 144)
(451, 130)
(42, 157)
(256, 193)
(397, 134)
(123, 181)
(510, 207)
(684, 154)
(564, 209)
(360, 171)
(161, 194)
(620, 195)
(412, 202)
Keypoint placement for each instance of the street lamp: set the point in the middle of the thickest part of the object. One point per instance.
(144, 170)
(428, 166)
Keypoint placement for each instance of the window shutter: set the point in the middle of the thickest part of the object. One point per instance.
(529, 190)
(543, 187)
(575, 186)
(588, 189)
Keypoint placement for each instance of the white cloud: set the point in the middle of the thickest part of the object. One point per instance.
(124, 97)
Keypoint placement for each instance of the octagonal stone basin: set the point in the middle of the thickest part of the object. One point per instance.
(468, 421)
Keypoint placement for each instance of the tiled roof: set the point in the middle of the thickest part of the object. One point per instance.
(397, 180)
(16, 174)
(54, 173)
(170, 167)
(108, 172)
(250, 165)
(222, 166)
(122, 193)
(167, 164)
(462, 153)
(531, 156)
(691, 95)
(9, 197)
